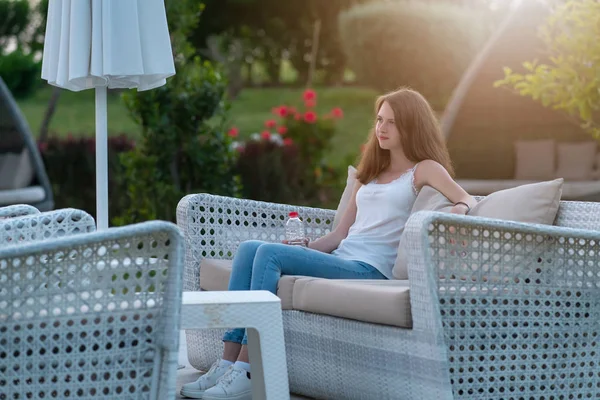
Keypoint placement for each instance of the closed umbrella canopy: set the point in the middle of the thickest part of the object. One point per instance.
(106, 44)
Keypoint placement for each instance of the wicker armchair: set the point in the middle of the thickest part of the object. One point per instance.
(499, 309)
(93, 315)
(17, 211)
(44, 226)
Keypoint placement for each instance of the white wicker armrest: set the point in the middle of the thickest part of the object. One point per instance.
(75, 301)
(214, 227)
(488, 288)
(44, 226)
(17, 210)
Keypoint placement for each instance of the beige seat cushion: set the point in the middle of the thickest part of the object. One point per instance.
(376, 301)
(576, 160)
(387, 303)
(214, 275)
(536, 203)
(535, 159)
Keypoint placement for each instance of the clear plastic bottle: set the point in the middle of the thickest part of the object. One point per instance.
(294, 230)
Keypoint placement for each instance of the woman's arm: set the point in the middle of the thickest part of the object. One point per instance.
(332, 240)
(433, 174)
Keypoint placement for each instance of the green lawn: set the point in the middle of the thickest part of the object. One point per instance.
(75, 113)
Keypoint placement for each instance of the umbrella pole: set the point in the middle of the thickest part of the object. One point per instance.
(101, 159)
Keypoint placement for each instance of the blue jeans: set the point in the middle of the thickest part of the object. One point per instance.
(259, 265)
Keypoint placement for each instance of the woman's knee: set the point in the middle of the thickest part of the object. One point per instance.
(249, 247)
(270, 251)
(245, 254)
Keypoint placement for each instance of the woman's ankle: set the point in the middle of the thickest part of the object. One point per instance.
(231, 351)
(243, 355)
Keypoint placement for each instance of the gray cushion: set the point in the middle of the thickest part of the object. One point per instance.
(536, 203)
(16, 170)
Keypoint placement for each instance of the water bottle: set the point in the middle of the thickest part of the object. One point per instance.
(294, 230)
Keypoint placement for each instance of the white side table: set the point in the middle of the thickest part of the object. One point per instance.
(260, 313)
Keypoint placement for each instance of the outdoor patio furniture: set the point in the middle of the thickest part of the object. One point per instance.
(492, 309)
(92, 316)
(260, 311)
(23, 178)
(44, 226)
(17, 210)
(588, 190)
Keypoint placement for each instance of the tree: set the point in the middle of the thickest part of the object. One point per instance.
(184, 147)
(570, 80)
(272, 30)
(14, 19)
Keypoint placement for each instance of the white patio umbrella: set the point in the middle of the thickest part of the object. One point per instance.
(106, 44)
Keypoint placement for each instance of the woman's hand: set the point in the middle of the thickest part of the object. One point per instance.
(304, 242)
(460, 209)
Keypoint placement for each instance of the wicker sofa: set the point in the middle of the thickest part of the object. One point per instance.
(492, 309)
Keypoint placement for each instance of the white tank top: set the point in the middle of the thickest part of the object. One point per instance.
(382, 212)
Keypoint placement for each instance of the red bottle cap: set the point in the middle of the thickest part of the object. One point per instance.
(294, 214)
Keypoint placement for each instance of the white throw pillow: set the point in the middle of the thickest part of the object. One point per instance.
(535, 203)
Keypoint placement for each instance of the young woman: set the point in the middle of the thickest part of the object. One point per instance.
(404, 152)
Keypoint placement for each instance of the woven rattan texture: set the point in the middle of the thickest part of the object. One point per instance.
(92, 315)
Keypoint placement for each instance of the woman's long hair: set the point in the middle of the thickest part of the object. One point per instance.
(420, 135)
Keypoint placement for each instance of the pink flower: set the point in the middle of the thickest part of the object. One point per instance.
(337, 113)
(309, 94)
(310, 117)
(271, 123)
(234, 132)
(266, 135)
(297, 116)
(282, 130)
(282, 111)
(288, 141)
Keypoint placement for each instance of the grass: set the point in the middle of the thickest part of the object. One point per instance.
(75, 113)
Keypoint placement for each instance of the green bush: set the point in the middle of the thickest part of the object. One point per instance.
(426, 46)
(269, 172)
(184, 148)
(286, 162)
(275, 172)
(20, 72)
(71, 167)
(15, 17)
(181, 152)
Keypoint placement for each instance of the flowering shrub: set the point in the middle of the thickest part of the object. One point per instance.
(284, 162)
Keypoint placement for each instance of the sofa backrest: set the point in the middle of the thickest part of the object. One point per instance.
(579, 215)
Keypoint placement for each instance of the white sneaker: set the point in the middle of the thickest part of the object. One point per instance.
(234, 385)
(195, 390)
